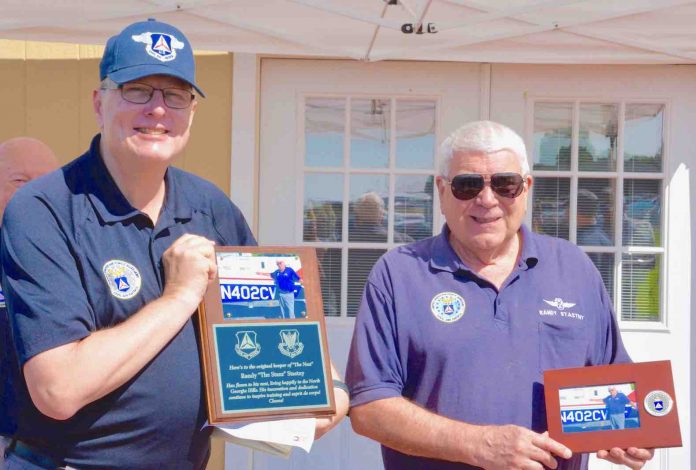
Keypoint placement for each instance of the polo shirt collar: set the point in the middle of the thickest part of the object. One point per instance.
(110, 203)
(444, 258)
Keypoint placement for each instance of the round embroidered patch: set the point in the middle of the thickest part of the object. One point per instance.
(658, 403)
(448, 307)
(122, 278)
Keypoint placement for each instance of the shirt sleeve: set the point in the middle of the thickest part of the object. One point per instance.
(374, 371)
(231, 224)
(46, 303)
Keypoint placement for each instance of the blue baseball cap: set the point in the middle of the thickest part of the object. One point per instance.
(148, 48)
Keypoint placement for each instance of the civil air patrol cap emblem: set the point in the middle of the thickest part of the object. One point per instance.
(448, 307)
(161, 46)
(658, 403)
(122, 278)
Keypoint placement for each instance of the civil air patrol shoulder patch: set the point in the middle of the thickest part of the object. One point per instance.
(122, 278)
(448, 307)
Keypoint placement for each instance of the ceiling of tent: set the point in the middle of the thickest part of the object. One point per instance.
(512, 31)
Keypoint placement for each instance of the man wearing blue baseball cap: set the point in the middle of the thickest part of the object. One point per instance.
(102, 278)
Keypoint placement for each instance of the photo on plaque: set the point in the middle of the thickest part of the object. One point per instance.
(261, 285)
(618, 405)
(263, 336)
(599, 408)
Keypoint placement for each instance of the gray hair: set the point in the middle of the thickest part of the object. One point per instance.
(482, 137)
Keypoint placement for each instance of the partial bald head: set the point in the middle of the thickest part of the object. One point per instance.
(21, 160)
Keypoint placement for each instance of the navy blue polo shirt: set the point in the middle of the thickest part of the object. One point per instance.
(430, 330)
(285, 279)
(79, 258)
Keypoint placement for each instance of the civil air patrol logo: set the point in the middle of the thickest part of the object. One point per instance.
(658, 403)
(290, 344)
(448, 307)
(161, 46)
(247, 346)
(122, 278)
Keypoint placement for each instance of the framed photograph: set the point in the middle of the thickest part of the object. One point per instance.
(263, 336)
(620, 405)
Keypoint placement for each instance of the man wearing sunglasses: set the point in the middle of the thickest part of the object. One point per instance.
(454, 332)
(104, 263)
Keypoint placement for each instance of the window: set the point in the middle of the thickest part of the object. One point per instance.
(368, 185)
(599, 182)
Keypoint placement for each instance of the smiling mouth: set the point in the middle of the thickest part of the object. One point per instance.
(148, 131)
(485, 220)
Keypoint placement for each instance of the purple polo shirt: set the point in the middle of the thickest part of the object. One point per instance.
(429, 329)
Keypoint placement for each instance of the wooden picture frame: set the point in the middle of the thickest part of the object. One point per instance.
(260, 363)
(581, 415)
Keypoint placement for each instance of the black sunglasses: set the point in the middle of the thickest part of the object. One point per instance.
(468, 185)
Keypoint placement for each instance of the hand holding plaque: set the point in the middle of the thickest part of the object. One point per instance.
(263, 336)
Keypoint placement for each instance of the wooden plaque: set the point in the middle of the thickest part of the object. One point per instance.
(263, 337)
(620, 405)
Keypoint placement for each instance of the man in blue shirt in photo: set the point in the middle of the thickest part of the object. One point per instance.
(616, 408)
(285, 278)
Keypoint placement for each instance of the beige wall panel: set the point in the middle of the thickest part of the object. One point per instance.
(208, 152)
(10, 49)
(13, 120)
(52, 104)
(89, 80)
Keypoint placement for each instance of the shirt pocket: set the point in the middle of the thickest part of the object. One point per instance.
(562, 346)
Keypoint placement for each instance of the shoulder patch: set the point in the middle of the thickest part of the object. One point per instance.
(448, 307)
(122, 278)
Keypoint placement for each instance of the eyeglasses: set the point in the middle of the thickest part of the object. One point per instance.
(467, 186)
(141, 93)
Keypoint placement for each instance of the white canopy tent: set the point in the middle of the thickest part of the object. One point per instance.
(511, 31)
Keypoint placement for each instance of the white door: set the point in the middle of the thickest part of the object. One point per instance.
(611, 147)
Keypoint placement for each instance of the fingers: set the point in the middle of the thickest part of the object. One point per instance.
(543, 441)
(633, 457)
(189, 265)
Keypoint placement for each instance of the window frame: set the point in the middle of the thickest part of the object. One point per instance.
(619, 175)
(391, 171)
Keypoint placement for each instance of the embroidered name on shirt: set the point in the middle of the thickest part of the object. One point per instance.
(560, 309)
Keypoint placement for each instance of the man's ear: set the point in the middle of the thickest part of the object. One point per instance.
(97, 107)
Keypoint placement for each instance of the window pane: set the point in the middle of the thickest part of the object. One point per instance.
(324, 130)
(598, 134)
(330, 276)
(550, 206)
(360, 262)
(605, 265)
(595, 212)
(553, 128)
(323, 207)
(413, 208)
(370, 133)
(415, 134)
(642, 212)
(640, 287)
(643, 137)
(368, 200)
